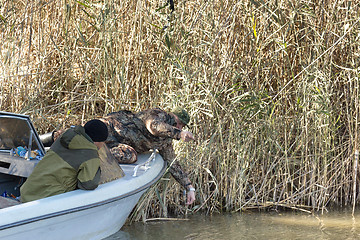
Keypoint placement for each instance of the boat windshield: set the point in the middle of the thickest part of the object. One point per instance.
(16, 132)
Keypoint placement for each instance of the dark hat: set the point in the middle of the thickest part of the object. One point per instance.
(182, 114)
(96, 130)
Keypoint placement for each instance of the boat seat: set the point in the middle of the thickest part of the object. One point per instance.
(8, 202)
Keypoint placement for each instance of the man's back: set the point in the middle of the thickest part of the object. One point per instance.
(72, 162)
(128, 128)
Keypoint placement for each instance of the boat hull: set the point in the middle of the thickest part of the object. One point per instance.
(82, 214)
(94, 223)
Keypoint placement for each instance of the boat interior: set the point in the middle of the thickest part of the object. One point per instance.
(20, 150)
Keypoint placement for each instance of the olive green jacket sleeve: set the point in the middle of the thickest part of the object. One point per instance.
(89, 174)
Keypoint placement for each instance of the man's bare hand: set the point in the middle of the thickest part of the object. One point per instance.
(190, 196)
(186, 136)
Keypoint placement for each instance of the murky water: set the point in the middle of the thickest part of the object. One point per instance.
(254, 225)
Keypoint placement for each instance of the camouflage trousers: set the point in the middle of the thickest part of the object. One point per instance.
(124, 153)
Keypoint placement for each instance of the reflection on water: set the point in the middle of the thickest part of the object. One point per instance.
(254, 225)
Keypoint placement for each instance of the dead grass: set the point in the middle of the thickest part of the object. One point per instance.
(272, 88)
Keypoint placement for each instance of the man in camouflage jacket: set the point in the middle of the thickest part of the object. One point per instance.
(131, 133)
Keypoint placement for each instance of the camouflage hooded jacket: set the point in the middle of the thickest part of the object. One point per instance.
(131, 129)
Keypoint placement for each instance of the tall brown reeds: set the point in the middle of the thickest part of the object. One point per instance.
(272, 88)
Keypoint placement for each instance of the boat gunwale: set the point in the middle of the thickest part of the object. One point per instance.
(88, 206)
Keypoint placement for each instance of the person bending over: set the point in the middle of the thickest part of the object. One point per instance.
(134, 133)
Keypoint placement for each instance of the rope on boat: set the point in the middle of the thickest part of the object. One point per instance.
(145, 164)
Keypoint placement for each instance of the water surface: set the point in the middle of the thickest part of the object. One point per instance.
(252, 225)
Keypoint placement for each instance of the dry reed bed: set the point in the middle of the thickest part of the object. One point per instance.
(272, 87)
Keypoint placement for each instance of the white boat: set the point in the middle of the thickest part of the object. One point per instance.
(79, 214)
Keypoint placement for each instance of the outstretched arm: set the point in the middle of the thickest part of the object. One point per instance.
(159, 128)
(178, 173)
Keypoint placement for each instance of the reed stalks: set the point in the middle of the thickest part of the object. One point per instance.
(272, 88)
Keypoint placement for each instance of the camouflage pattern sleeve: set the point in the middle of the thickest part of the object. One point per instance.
(123, 153)
(175, 169)
(180, 176)
(160, 123)
(161, 129)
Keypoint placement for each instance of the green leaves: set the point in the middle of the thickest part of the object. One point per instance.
(2, 19)
(84, 4)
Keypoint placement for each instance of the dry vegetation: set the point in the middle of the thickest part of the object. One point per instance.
(272, 88)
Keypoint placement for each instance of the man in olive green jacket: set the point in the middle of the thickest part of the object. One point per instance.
(72, 162)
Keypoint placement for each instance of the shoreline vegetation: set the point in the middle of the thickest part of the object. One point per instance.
(272, 88)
